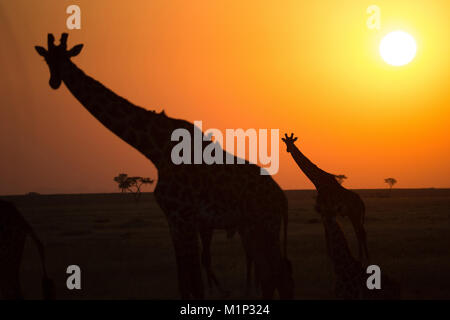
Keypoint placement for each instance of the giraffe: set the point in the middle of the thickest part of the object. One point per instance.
(13, 232)
(181, 188)
(331, 195)
(350, 278)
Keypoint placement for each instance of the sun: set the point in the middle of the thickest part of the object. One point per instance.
(398, 48)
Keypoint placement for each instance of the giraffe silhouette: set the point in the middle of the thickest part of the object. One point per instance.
(181, 188)
(350, 278)
(13, 232)
(331, 195)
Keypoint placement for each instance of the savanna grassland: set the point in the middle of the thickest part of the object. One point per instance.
(125, 252)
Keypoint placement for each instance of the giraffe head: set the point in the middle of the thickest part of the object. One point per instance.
(289, 140)
(55, 55)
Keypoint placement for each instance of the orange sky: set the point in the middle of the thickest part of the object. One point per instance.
(310, 68)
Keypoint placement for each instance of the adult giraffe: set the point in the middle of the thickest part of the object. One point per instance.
(181, 189)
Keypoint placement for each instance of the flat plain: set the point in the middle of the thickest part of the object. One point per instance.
(124, 249)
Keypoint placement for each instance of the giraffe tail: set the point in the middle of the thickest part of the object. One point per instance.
(48, 287)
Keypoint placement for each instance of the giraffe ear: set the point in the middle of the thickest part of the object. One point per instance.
(75, 50)
(42, 52)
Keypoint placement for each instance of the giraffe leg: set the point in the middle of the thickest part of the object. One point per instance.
(327, 242)
(364, 243)
(266, 253)
(206, 238)
(253, 282)
(248, 261)
(249, 265)
(10, 273)
(361, 236)
(281, 270)
(256, 278)
(262, 266)
(363, 233)
(206, 234)
(185, 240)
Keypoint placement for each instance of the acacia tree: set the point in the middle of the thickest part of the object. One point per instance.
(390, 182)
(132, 184)
(340, 178)
(122, 181)
(135, 185)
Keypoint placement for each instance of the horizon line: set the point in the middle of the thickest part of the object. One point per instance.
(150, 192)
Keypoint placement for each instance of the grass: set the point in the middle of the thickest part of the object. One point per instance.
(125, 252)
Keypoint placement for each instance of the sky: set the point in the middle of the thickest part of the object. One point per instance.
(308, 67)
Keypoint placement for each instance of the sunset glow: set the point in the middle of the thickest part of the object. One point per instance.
(312, 68)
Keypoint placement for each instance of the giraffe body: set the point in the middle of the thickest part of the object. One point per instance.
(241, 197)
(346, 203)
(13, 232)
(331, 196)
(350, 276)
(259, 212)
(348, 272)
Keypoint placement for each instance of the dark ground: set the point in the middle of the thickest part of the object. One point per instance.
(124, 249)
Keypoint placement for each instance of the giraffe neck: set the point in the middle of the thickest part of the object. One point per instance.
(338, 249)
(317, 176)
(138, 127)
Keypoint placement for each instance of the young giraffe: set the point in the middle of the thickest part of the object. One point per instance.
(181, 188)
(331, 195)
(350, 277)
(13, 232)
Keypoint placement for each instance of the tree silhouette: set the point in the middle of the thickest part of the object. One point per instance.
(132, 184)
(122, 181)
(340, 178)
(390, 182)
